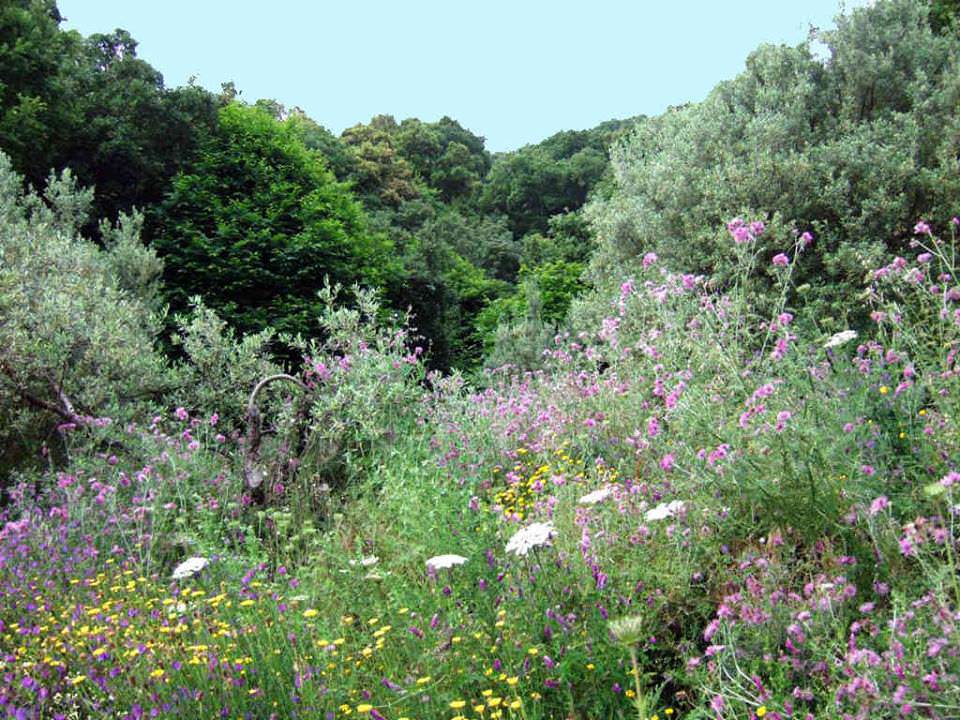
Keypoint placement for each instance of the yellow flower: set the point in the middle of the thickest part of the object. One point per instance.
(457, 704)
(883, 391)
(158, 673)
(423, 680)
(310, 613)
(364, 708)
(78, 679)
(761, 711)
(513, 681)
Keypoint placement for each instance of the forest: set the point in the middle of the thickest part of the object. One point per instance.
(654, 420)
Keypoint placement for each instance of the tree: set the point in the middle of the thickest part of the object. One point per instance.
(256, 222)
(856, 148)
(556, 176)
(33, 118)
(77, 337)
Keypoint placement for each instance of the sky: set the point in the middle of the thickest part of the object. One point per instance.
(512, 71)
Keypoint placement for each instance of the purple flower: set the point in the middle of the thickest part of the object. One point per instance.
(879, 505)
(780, 260)
(921, 228)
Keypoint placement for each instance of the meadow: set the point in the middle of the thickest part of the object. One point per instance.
(695, 511)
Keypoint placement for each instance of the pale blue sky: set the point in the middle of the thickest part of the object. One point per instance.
(513, 71)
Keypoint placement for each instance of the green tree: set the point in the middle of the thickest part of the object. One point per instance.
(256, 222)
(33, 117)
(856, 148)
(92, 105)
(556, 176)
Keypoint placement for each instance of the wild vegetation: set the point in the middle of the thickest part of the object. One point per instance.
(299, 426)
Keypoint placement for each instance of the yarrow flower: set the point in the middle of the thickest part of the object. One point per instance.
(597, 496)
(665, 510)
(444, 562)
(189, 567)
(367, 561)
(840, 338)
(532, 536)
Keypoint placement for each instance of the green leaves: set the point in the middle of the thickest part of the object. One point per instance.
(851, 144)
(256, 222)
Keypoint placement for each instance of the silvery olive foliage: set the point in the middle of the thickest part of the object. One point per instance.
(851, 136)
(77, 328)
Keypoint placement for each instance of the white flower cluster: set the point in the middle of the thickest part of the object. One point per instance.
(597, 496)
(189, 567)
(532, 536)
(444, 562)
(366, 562)
(841, 338)
(665, 510)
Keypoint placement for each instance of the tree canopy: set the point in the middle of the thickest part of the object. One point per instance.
(255, 222)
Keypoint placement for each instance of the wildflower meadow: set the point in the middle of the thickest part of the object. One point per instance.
(288, 432)
(698, 510)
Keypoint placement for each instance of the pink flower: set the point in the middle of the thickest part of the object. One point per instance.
(921, 228)
(666, 462)
(782, 417)
(780, 260)
(950, 479)
(806, 239)
(879, 505)
(649, 259)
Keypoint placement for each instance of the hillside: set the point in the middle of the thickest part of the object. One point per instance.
(653, 420)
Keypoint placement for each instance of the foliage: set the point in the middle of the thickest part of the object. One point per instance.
(76, 341)
(514, 328)
(768, 531)
(535, 183)
(220, 369)
(256, 212)
(854, 147)
(92, 105)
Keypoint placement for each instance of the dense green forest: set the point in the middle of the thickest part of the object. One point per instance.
(252, 205)
(652, 420)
